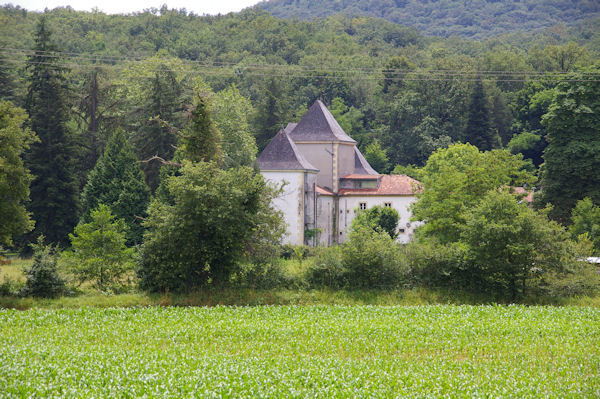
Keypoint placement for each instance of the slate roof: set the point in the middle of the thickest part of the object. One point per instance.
(361, 166)
(319, 125)
(282, 154)
(388, 185)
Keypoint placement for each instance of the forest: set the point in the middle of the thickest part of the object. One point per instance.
(120, 119)
(475, 19)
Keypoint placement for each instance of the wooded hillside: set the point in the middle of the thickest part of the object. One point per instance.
(467, 18)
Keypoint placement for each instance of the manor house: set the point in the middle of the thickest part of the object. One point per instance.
(327, 181)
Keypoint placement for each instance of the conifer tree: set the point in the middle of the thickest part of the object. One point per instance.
(118, 182)
(201, 140)
(479, 131)
(54, 190)
(153, 137)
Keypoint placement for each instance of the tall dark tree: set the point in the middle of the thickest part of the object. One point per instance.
(153, 136)
(479, 130)
(571, 169)
(7, 86)
(54, 190)
(271, 112)
(118, 182)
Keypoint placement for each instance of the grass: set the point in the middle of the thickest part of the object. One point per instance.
(302, 351)
(250, 297)
(15, 271)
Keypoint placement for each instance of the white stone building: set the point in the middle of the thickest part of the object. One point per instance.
(327, 181)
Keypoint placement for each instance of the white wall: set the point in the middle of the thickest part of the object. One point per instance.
(290, 202)
(325, 211)
(349, 204)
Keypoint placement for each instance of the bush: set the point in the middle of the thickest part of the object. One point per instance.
(437, 265)
(43, 279)
(261, 275)
(98, 253)
(327, 269)
(379, 218)
(372, 259)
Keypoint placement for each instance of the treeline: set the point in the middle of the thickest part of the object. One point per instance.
(137, 142)
(472, 18)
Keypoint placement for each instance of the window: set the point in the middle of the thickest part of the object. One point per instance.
(401, 230)
(387, 204)
(362, 206)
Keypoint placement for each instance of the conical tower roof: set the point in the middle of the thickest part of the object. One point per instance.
(282, 154)
(319, 125)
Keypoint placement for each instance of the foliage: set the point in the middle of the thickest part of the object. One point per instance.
(475, 19)
(231, 114)
(509, 245)
(327, 268)
(43, 279)
(15, 138)
(435, 265)
(315, 351)
(98, 252)
(408, 170)
(201, 140)
(198, 238)
(572, 159)
(118, 182)
(586, 220)
(377, 157)
(379, 218)
(371, 259)
(479, 130)
(54, 190)
(456, 179)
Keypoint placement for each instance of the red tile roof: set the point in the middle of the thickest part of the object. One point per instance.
(324, 191)
(528, 195)
(388, 185)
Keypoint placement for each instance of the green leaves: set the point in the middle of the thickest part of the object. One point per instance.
(98, 252)
(15, 138)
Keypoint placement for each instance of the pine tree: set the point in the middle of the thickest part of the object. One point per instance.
(153, 137)
(118, 182)
(54, 190)
(201, 140)
(479, 131)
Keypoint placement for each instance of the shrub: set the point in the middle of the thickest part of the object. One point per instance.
(378, 218)
(327, 269)
(43, 279)
(372, 259)
(435, 265)
(98, 252)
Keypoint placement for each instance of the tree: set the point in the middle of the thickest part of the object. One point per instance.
(15, 138)
(586, 221)
(378, 218)
(377, 157)
(199, 237)
(571, 169)
(455, 179)
(479, 130)
(201, 140)
(509, 244)
(98, 252)
(271, 112)
(54, 190)
(118, 182)
(42, 278)
(231, 111)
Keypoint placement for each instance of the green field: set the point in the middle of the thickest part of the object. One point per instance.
(302, 351)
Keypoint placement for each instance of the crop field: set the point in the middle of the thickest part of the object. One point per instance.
(302, 351)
